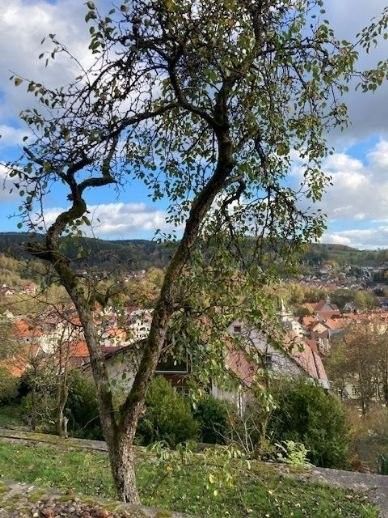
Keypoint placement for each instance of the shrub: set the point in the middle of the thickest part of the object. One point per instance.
(212, 416)
(39, 404)
(82, 407)
(167, 416)
(8, 386)
(307, 414)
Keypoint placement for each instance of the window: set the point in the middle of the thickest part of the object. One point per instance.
(237, 330)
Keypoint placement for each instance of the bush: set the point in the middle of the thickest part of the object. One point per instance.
(8, 386)
(212, 416)
(307, 414)
(82, 407)
(38, 403)
(167, 416)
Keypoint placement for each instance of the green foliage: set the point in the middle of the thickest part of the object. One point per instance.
(11, 416)
(8, 386)
(167, 416)
(39, 405)
(361, 299)
(359, 359)
(213, 419)
(307, 414)
(82, 407)
(294, 453)
(368, 436)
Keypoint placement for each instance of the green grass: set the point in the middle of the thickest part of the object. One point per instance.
(261, 491)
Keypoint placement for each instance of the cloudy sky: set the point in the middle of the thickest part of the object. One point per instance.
(356, 205)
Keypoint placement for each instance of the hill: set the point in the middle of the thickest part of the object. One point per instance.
(97, 253)
(138, 254)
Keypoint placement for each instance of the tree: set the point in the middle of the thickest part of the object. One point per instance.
(359, 362)
(206, 103)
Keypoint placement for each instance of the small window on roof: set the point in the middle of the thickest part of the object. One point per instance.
(237, 329)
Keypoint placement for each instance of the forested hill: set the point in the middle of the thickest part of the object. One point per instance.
(141, 254)
(125, 255)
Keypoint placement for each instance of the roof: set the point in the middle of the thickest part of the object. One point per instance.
(336, 323)
(309, 320)
(306, 355)
(239, 363)
(24, 329)
(78, 349)
(19, 362)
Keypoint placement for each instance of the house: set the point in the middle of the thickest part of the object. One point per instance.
(323, 309)
(296, 357)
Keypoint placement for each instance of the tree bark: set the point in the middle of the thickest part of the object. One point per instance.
(122, 460)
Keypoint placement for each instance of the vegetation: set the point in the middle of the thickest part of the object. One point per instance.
(358, 364)
(305, 413)
(167, 416)
(8, 386)
(214, 420)
(361, 299)
(368, 437)
(140, 254)
(259, 491)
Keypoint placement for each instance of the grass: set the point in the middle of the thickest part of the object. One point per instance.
(260, 491)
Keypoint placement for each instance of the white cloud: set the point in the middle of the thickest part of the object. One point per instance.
(5, 185)
(337, 239)
(22, 27)
(119, 220)
(10, 136)
(368, 112)
(359, 191)
(369, 238)
(379, 156)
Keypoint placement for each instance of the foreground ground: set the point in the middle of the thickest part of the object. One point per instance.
(258, 491)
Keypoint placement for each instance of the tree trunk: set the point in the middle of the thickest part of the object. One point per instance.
(122, 460)
(62, 400)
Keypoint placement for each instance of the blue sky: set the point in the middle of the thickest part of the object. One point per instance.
(357, 205)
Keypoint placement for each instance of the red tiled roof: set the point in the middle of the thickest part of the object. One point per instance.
(24, 329)
(309, 360)
(238, 362)
(78, 349)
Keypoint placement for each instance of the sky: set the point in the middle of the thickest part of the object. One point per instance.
(356, 204)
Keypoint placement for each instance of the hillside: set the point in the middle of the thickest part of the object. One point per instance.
(140, 254)
(97, 253)
(197, 487)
